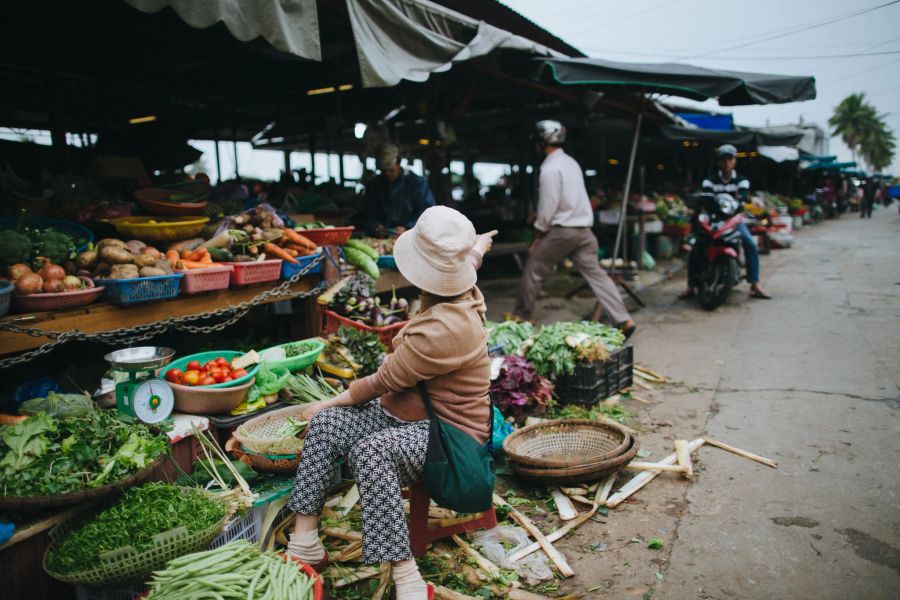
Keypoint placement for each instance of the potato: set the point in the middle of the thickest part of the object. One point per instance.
(102, 269)
(144, 260)
(134, 246)
(110, 242)
(151, 251)
(116, 255)
(124, 272)
(163, 264)
(87, 260)
(151, 272)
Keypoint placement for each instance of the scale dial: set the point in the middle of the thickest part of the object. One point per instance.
(152, 401)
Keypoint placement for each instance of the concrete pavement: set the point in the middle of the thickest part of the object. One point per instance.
(809, 379)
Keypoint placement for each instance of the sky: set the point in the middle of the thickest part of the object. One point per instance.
(845, 53)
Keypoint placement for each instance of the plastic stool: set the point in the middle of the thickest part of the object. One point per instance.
(421, 534)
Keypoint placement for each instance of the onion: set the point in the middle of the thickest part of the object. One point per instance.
(51, 271)
(29, 283)
(19, 269)
(54, 286)
(72, 283)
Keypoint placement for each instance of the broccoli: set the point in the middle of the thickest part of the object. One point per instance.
(15, 247)
(56, 246)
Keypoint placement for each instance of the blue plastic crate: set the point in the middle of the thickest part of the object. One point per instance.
(142, 289)
(386, 261)
(289, 269)
(6, 289)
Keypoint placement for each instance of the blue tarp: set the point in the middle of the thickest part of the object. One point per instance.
(707, 121)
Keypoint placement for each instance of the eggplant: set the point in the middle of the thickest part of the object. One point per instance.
(393, 319)
(402, 304)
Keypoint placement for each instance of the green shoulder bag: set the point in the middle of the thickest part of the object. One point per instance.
(459, 472)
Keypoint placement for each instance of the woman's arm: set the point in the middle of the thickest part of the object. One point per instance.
(342, 399)
(482, 246)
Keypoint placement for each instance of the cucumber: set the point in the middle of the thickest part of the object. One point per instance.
(363, 247)
(220, 255)
(361, 261)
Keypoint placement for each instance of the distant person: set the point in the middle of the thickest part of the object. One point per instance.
(562, 228)
(868, 198)
(394, 199)
(727, 181)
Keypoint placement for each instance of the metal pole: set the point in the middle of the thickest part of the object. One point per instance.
(622, 217)
(218, 159)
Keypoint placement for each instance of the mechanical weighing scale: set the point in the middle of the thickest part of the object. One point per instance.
(143, 397)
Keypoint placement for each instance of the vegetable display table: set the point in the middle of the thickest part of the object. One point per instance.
(102, 316)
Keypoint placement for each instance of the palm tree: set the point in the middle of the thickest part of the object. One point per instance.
(853, 120)
(878, 146)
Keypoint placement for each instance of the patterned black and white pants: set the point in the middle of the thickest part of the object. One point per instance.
(383, 454)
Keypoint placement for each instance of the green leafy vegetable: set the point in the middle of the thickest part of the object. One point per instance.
(365, 347)
(140, 514)
(655, 544)
(306, 388)
(510, 335)
(43, 455)
(553, 355)
(59, 405)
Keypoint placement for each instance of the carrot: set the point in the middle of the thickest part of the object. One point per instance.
(193, 264)
(173, 257)
(275, 251)
(292, 252)
(302, 251)
(301, 240)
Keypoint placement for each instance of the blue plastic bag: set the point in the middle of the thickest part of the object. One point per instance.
(35, 388)
(6, 531)
(501, 430)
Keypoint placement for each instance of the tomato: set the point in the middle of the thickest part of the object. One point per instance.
(238, 373)
(194, 365)
(191, 377)
(207, 380)
(228, 378)
(174, 375)
(221, 361)
(211, 364)
(219, 376)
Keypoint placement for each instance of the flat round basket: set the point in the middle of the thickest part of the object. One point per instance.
(565, 443)
(560, 475)
(26, 503)
(56, 301)
(207, 400)
(127, 565)
(264, 463)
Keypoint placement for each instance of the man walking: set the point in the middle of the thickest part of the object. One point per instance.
(563, 229)
(727, 181)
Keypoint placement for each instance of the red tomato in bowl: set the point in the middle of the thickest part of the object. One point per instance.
(221, 361)
(238, 373)
(219, 376)
(174, 375)
(207, 380)
(194, 365)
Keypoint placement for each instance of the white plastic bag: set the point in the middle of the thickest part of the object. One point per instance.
(533, 568)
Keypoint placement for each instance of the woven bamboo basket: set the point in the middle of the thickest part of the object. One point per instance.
(563, 443)
(575, 474)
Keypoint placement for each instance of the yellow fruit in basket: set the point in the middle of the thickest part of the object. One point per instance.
(152, 221)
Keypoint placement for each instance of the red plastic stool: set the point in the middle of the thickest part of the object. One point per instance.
(421, 534)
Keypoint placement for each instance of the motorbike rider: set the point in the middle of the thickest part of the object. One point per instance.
(727, 181)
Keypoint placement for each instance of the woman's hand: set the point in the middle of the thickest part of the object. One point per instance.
(484, 242)
(342, 399)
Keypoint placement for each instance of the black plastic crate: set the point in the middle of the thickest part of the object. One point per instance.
(592, 382)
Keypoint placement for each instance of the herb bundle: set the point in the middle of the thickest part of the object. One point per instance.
(365, 347)
(519, 387)
(509, 335)
(554, 352)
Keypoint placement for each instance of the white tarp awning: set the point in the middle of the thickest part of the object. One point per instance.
(411, 39)
(289, 25)
(779, 153)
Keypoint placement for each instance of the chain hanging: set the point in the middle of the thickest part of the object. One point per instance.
(140, 333)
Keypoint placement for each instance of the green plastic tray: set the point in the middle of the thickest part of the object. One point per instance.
(295, 363)
(203, 357)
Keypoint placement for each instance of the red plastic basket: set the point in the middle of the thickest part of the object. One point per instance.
(245, 273)
(331, 321)
(206, 280)
(56, 301)
(331, 236)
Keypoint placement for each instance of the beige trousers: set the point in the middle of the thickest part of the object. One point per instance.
(579, 244)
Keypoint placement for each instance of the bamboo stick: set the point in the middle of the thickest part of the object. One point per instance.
(577, 491)
(564, 506)
(492, 569)
(555, 555)
(661, 378)
(614, 399)
(552, 537)
(603, 492)
(637, 398)
(384, 581)
(353, 556)
(581, 499)
(593, 487)
(453, 521)
(436, 512)
(649, 466)
(356, 575)
(643, 385)
(342, 534)
(754, 457)
(442, 593)
(683, 456)
(642, 479)
(349, 500)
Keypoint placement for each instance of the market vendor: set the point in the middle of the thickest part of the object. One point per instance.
(394, 199)
(380, 423)
(562, 229)
(727, 181)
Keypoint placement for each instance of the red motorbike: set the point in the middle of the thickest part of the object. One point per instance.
(717, 252)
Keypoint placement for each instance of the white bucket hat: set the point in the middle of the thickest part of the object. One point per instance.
(433, 255)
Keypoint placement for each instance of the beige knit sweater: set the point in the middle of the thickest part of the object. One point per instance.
(444, 345)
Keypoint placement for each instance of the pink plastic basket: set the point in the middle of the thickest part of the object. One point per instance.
(332, 321)
(206, 280)
(56, 301)
(245, 273)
